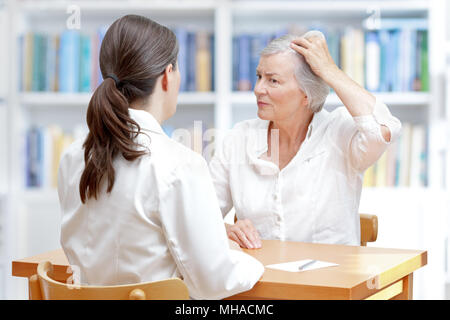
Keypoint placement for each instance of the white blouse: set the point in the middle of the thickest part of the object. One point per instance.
(161, 220)
(315, 198)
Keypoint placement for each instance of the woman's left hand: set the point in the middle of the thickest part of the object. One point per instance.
(315, 51)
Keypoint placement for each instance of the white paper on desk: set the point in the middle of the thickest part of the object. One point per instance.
(294, 266)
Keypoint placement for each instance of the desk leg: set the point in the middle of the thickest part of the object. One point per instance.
(407, 292)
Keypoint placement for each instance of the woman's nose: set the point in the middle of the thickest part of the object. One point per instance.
(259, 88)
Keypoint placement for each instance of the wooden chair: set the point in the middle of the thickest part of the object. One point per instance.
(42, 287)
(369, 228)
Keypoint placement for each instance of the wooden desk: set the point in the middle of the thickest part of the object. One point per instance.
(363, 272)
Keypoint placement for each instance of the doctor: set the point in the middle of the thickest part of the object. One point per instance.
(295, 173)
(137, 206)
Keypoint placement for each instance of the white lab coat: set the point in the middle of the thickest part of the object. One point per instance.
(161, 220)
(315, 198)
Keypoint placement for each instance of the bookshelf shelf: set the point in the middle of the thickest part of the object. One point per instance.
(322, 8)
(403, 99)
(172, 7)
(45, 99)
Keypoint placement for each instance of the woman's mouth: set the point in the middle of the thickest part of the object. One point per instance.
(262, 104)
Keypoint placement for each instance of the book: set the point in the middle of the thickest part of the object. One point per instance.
(372, 61)
(69, 52)
(182, 37)
(191, 84)
(424, 75)
(213, 61)
(51, 63)
(85, 64)
(203, 63)
(69, 62)
(100, 35)
(358, 49)
(95, 66)
(27, 59)
(235, 63)
(244, 83)
(44, 148)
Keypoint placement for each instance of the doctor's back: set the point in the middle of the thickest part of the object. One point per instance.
(137, 206)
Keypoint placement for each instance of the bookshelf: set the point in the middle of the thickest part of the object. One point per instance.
(36, 210)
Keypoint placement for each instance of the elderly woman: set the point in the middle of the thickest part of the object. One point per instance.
(296, 172)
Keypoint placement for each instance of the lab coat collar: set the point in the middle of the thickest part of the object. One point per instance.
(145, 120)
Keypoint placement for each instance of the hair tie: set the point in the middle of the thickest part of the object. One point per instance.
(116, 80)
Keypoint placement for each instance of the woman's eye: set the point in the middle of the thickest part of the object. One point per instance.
(273, 81)
(258, 76)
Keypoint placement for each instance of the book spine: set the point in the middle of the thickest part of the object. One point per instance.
(372, 61)
(85, 64)
(182, 37)
(244, 83)
(70, 61)
(203, 63)
(192, 49)
(35, 62)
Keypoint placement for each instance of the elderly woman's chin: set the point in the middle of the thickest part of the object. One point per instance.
(265, 113)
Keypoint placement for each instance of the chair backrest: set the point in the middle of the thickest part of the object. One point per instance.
(369, 228)
(42, 287)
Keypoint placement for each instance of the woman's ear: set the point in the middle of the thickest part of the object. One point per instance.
(305, 100)
(166, 77)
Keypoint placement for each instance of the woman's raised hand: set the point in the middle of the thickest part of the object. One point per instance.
(315, 51)
(244, 233)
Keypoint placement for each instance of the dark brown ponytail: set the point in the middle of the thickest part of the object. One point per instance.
(134, 53)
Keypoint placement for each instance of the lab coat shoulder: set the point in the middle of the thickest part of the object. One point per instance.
(173, 161)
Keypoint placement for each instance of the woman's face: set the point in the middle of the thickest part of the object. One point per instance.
(278, 94)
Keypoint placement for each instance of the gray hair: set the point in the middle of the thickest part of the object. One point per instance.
(313, 86)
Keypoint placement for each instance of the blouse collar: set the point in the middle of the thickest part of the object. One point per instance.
(260, 145)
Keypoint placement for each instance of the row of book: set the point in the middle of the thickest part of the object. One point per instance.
(69, 62)
(390, 59)
(404, 164)
(43, 149)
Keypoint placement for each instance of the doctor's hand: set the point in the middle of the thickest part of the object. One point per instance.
(244, 233)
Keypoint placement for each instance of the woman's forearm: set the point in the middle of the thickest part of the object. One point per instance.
(356, 99)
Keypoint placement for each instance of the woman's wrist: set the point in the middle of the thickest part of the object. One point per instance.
(332, 76)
